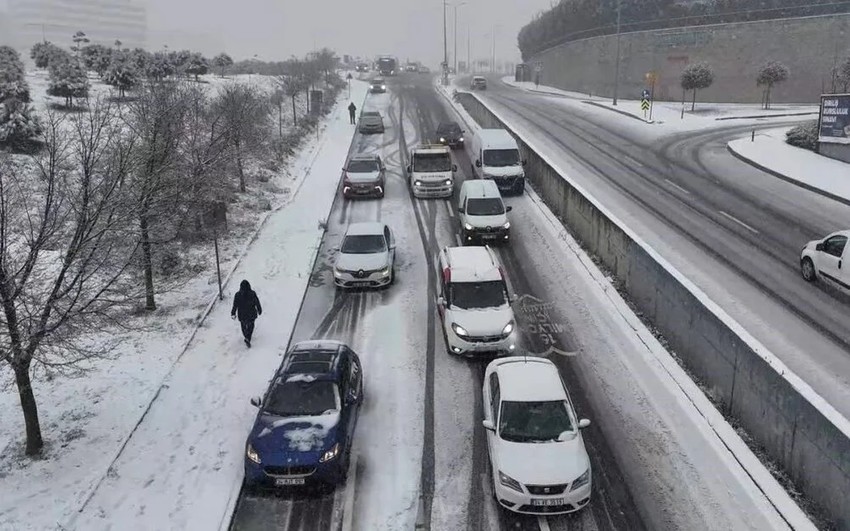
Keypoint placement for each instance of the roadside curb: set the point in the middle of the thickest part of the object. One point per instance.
(618, 111)
(754, 116)
(784, 177)
(202, 319)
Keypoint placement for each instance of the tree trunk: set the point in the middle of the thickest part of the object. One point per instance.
(294, 116)
(22, 379)
(241, 170)
(767, 98)
(147, 263)
(694, 101)
(280, 118)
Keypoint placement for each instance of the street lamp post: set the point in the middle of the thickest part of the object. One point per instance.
(457, 5)
(617, 61)
(445, 47)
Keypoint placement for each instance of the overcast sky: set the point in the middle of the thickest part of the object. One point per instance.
(276, 29)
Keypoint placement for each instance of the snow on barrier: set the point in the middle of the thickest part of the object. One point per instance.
(794, 425)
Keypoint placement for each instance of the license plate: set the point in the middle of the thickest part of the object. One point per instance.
(361, 284)
(547, 502)
(288, 482)
(490, 236)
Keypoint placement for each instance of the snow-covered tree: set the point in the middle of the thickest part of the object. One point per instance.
(79, 40)
(222, 61)
(842, 76)
(771, 73)
(197, 65)
(13, 83)
(19, 124)
(97, 58)
(122, 73)
(179, 59)
(68, 80)
(159, 67)
(696, 76)
(43, 52)
(140, 59)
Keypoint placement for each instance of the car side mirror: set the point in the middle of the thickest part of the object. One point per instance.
(461, 210)
(255, 401)
(488, 425)
(409, 168)
(508, 209)
(514, 297)
(441, 301)
(454, 167)
(478, 163)
(350, 399)
(583, 423)
(819, 247)
(524, 162)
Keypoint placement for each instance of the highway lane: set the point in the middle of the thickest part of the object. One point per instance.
(452, 487)
(735, 231)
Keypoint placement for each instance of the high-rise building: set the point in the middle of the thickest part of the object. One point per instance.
(103, 21)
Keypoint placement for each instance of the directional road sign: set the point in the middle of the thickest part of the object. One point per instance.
(644, 104)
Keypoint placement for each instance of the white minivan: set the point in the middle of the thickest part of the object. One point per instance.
(496, 157)
(482, 213)
(828, 259)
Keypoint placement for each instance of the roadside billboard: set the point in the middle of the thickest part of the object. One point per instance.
(834, 119)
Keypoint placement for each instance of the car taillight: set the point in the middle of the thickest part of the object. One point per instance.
(447, 275)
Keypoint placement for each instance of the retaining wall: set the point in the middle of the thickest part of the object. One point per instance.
(800, 432)
(809, 46)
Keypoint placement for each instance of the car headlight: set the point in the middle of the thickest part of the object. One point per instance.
(448, 182)
(252, 454)
(383, 87)
(507, 225)
(385, 272)
(509, 482)
(506, 331)
(461, 139)
(467, 226)
(417, 183)
(330, 454)
(442, 139)
(459, 330)
(337, 272)
(581, 481)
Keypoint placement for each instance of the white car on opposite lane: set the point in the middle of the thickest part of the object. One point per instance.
(537, 453)
(828, 259)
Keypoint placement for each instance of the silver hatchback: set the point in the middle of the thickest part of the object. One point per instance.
(371, 122)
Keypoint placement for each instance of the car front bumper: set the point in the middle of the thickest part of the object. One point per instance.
(480, 346)
(347, 279)
(486, 236)
(363, 190)
(438, 190)
(527, 503)
(262, 476)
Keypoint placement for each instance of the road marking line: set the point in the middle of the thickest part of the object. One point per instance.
(457, 239)
(451, 208)
(738, 221)
(543, 523)
(348, 507)
(671, 183)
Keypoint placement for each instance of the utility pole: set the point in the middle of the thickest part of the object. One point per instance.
(617, 61)
(457, 5)
(493, 55)
(445, 47)
(468, 52)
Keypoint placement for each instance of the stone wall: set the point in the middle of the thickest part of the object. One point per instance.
(809, 46)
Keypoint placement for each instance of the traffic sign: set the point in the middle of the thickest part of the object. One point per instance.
(644, 104)
(645, 95)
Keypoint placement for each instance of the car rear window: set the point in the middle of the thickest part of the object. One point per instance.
(303, 398)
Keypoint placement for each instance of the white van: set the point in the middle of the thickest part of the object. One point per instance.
(497, 157)
(431, 172)
(482, 213)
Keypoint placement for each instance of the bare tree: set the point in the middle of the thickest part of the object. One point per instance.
(156, 118)
(245, 112)
(64, 251)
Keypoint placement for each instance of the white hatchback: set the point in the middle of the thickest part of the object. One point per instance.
(366, 257)
(537, 454)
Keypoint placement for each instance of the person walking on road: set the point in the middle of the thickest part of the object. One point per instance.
(352, 109)
(247, 305)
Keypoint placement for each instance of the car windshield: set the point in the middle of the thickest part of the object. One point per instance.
(371, 114)
(363, 166)
(377, 81)
(534, 421)
(486, 206)
(363, 244)
(448, 129)
(472, 295)
(303, 398)
(429, 162)
(501, 157)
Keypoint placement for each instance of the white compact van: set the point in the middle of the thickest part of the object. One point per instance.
(482, 213)
(495, 156)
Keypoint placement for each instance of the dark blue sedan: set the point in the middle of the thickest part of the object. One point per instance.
(303, 432)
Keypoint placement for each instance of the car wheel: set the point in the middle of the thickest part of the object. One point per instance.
(392, 276)
(807, 268)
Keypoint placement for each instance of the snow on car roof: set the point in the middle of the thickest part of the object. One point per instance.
(431, 148)
(317, 344)
(364, 156)
(481, 188)
(529, 379)
(472, 264)
(364, 228)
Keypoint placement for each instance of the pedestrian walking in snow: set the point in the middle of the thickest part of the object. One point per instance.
(246, 305)
(352, 109)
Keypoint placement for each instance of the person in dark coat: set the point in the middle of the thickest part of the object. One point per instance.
(352, 109)
(246, 305)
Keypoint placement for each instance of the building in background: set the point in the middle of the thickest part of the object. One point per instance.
(103, 21)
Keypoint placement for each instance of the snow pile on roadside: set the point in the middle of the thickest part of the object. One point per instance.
(800, 166)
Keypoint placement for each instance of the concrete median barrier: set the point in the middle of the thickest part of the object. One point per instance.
(780, 412)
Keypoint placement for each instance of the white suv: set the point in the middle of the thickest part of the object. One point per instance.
(474, 304)
(537, 453)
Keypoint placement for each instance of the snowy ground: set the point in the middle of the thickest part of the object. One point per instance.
(705, 115)
(769, 151)
(87, 420)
